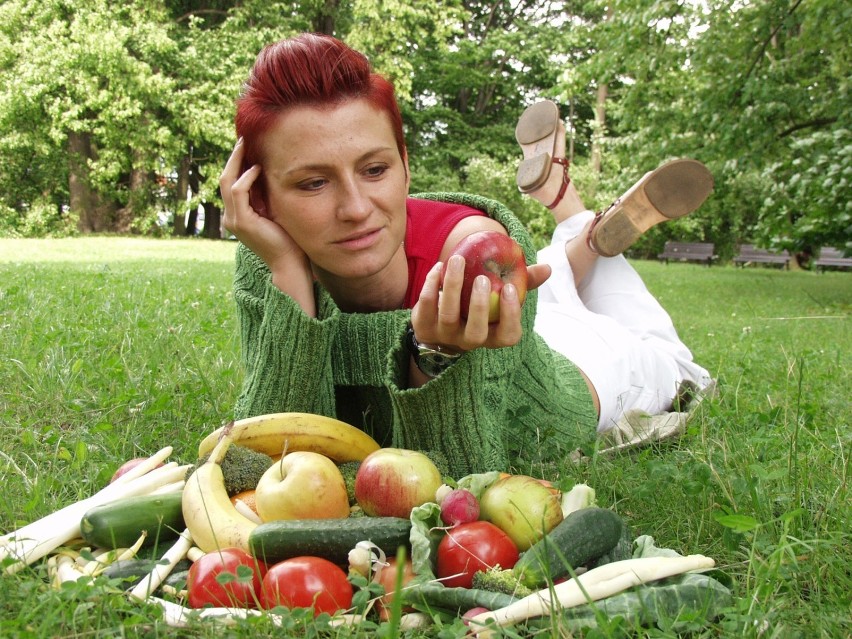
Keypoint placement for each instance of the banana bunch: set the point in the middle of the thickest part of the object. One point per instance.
(272, 434)
(210, 516)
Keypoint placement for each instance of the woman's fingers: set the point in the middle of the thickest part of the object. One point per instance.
(537, 275)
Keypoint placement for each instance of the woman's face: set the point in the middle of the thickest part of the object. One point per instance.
(336, 183)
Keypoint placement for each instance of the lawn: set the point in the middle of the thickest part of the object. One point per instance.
(111, 348)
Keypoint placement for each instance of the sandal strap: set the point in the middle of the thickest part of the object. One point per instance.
(589, 242)
(566, 180)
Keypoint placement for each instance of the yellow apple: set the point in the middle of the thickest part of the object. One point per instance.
(302, 485)
(522, 507)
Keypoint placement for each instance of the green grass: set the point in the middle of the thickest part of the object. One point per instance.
(112, 347)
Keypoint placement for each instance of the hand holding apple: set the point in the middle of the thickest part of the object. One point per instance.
(499, 258)
(302, 485)
(392, 481)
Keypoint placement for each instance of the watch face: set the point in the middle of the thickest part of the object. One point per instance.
(430, 361)
(434, 363)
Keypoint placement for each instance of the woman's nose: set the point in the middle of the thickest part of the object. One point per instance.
(354, 201)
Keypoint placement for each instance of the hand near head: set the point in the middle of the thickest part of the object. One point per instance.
(437, 320)
(290, 267)
(258, 232)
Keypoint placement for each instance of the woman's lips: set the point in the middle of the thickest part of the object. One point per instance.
(360, 241)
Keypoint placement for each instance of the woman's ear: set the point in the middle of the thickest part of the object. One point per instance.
(407, 170)
(257, 200)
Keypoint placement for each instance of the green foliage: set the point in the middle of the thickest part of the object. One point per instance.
(759, 92)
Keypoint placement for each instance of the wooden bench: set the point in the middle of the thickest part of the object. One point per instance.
(750, 254)
(703, 252)
(832, 257)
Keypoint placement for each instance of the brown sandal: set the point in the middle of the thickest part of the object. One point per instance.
(536, 133)
(666, 193)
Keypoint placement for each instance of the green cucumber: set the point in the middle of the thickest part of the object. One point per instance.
(583, 536)
(133, 571)
(459, 600)
(118, 524)
(331, 539)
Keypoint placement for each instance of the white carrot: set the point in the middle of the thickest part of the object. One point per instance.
(161, 570)
(38, 539)
(144, 467)
(596, 584)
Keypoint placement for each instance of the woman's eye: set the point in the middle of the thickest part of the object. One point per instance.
(376, 171)
(312, 185)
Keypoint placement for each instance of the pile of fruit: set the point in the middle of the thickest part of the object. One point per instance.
(301, 511)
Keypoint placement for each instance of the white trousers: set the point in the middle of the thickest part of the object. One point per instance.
(614, 330)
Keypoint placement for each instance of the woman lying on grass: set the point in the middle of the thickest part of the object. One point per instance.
(339, 271)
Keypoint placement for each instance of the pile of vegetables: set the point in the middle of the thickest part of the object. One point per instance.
(202, 550)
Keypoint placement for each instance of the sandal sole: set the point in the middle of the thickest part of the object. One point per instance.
(667, 193)
(536, 133)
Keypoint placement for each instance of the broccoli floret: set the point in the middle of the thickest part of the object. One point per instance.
(242, 468)
(349, 470)
(495, 579)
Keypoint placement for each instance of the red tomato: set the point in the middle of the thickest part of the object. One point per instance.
(229, 578)
(471, 547)
(387, 579)
(305, 582)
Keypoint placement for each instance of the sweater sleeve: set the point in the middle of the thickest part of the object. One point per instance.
(286, 354)
(495, 408)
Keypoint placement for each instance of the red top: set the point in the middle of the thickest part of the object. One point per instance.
(429, 224)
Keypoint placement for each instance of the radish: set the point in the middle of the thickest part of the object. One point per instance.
(460, 506)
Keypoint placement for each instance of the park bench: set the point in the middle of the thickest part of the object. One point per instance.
(703, 252)
(750, 254)
(829, 256)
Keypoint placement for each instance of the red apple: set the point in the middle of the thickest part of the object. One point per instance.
(392, 481)
(130, 464)
(522, 507)
(500, 259)
(302, 485)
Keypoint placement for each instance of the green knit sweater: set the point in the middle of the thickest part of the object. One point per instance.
(494, 409)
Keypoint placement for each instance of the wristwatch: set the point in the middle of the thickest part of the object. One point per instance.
(431, 360)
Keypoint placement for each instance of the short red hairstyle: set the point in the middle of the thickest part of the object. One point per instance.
(309, 70)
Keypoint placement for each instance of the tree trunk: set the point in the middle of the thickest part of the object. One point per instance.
(599, 130)
(139, 183)
(181, 189)
(324, 21)
(599, 127)
(212, 221)
(94, 214)
(194, 186)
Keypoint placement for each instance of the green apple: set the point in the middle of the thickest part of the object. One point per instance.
(522, 507)
(302, 485)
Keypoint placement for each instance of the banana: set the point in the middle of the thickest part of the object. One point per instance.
(210, 516)
(270, 434)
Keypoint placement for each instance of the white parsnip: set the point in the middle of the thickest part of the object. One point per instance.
(38, 539)
(144, 467)
(195, 553)
(596, 584)
(162, 569)
(179, 616)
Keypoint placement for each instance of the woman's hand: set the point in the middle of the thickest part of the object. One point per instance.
(266, 238)
(290, 267)
(437, 321)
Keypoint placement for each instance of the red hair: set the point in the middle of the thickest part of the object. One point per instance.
(309, 70)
